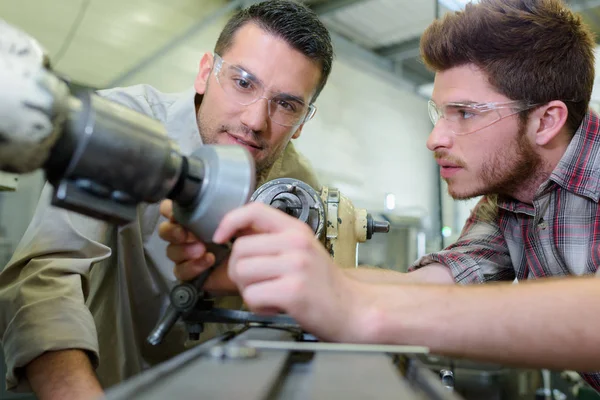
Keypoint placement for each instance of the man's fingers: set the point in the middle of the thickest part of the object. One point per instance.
(256, 217)
(166, 209)
(172, 233)
(266, 297)
(248, 271)
(183, 252)
(271, 244)
(287, 294)
(219, 284)
(190, 269)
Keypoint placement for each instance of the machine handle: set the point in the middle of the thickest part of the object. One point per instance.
(186, 295)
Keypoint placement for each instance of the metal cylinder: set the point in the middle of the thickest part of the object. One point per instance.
(117, 148)
(227, 183)
(376, 226)
(447, 378)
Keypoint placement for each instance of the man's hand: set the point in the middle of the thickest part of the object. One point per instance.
(278, 265)
(189, 254)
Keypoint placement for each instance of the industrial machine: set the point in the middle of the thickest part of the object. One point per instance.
(334, 221)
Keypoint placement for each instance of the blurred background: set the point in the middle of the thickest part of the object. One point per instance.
(367, 138)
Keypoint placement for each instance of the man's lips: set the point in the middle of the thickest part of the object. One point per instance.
(245, 141)
(447, 168)
(447, 164)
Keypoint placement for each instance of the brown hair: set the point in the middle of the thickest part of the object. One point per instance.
(531, 50)
(293, 22)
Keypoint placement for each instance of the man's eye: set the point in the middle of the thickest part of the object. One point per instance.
(285, 105)
(243, 83)
(465, 114)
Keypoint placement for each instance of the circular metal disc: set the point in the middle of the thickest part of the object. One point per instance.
(229, 179)
(304, 202)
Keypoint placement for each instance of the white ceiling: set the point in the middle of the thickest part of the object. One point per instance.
(114, 36)
(377, 23)
(117, 41)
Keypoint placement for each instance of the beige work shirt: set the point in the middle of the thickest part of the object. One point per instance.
(76, 282)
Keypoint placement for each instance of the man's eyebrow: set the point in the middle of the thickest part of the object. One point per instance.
(464, 102)
(251, 76)
(290, 97)
(286, 96)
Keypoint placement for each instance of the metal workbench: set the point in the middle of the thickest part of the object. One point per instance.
(254, 362)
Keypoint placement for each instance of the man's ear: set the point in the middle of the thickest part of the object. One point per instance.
(296, 134)
(206, 65)
(551, 119)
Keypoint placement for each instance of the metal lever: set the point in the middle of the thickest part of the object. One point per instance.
(227, 316)
(186, 295)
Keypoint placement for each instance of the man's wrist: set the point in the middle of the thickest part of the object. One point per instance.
(364, 314)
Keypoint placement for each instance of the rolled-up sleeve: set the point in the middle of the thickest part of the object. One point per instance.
(479, 255)
(44, 286)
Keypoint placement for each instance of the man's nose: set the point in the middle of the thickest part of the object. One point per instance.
(440, 137)
(255, 116)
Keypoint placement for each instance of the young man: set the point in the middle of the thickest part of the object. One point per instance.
(511, 122)
(80, 293)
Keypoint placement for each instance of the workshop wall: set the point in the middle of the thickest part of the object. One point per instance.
(368, 138)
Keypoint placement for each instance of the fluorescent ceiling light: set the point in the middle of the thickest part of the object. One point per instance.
(390, 201)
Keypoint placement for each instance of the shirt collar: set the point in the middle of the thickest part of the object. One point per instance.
(577, 170)
(182, 123)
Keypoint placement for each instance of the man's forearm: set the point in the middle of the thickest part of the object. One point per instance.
(219, 284)
(549, 323)
(63, 374)
(433, 273)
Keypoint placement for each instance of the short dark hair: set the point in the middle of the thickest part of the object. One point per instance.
(532, 50)
(295, 23)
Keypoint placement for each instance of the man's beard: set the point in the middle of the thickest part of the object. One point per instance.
(508, 171)
(263, 166)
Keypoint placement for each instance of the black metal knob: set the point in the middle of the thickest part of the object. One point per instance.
(184, 296)
(376, 226)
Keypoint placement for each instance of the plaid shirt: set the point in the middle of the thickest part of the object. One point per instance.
(559, 235)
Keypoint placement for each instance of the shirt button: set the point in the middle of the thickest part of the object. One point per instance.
(542, 224)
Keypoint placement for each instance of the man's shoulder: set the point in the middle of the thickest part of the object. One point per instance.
(295, 165)
(142, 98)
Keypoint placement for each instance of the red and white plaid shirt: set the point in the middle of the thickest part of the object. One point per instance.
(559, 235)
